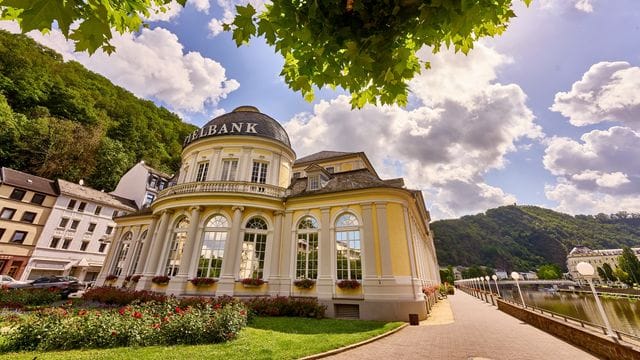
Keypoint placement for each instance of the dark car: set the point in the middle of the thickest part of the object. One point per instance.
(66, 284)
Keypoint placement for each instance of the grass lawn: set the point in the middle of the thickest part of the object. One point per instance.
(264, 338)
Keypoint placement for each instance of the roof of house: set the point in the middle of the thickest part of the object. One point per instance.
(156, 172)
(344, 181)
(322, 155)
(142, 212)
(85, 192)
(27, 181)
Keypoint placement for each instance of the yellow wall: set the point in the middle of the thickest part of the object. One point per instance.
(398, 241)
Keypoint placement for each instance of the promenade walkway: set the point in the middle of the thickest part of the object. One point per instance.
(463, 327)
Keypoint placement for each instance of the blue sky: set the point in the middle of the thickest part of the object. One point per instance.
(547, 114)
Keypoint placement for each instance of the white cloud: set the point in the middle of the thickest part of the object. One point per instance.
(607, 91)
(229, 12)
(171, 11)
(584, 5)
(562, 5)
(444, 146)
(152, 65)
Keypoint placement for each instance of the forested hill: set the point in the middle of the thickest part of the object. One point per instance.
(58, 119)
(524, 237)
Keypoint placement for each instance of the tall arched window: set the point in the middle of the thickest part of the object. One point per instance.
(253, 249)
(121, 253)
(348, 250)
(136, 253)
(212, 253)
(177, 244)
(307, 245)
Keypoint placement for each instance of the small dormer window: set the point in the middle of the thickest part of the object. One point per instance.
(330, 169)
(296, 175)
(314, 182)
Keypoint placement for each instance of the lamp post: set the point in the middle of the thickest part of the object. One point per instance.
(495, 280)
(587, 271)
(515, 276)
(484, 292)
(487, 278)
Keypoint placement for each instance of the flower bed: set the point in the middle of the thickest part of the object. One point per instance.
(304, 283)
(348, 284)
(203, 281)
(160, 280)
(252, 282)
(140, 325)
(18, 298)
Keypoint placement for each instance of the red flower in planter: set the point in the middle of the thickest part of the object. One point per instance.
(111, 277)
(348, 284)
(252, 281)
(160, 279)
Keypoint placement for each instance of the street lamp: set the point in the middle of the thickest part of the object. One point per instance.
(587, 271)
(495, 280)
(484, 292)
(515, 276)
(488, 283)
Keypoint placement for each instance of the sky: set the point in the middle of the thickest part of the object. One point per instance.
(547, 114)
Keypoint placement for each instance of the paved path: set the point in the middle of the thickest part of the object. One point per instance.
(466, 328)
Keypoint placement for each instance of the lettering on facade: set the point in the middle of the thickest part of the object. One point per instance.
(212, 130)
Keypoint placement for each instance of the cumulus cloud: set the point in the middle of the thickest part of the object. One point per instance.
(446, 145)
(229, 12)
(607, 91)
(171, 11)
(153, 65)
(556, 5)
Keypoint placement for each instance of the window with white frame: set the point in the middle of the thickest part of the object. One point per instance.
(137, 252)
(314, 182)
(203, 168)
(307, 249)
(229, 169)
(212, 252)
(348, 250)
(177, 245)
(259, 172)
(121, 254)
(254, 247)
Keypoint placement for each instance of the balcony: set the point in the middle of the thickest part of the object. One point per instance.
(223, 187)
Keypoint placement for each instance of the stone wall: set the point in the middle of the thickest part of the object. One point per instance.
(598, 345)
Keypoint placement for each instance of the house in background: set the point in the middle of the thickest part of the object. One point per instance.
(141, 184)
(25, 204)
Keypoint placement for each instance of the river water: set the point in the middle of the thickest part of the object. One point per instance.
(624, 314)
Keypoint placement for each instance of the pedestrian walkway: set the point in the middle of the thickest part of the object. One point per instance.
(463, 327)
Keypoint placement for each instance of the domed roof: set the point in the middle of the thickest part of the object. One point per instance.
(243, 121)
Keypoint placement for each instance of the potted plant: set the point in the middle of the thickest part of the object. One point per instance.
(135, 278)
(304, 283)
(203, 281)
(111, 278)
(348, 284)
(252, 282)
(160, 280)
(127, 278)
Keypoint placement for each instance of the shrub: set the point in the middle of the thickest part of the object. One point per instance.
(348, 284)
(160, 279)
(304, 283)
(17, 298)
(203, 281)
(138, 325)
(111, 277)
(114, 296)
(286, 306)
(252, 281)
(430, 290)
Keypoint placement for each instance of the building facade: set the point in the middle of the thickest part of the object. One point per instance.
(597, 258)
(141, 183)
(244, 208)
(74, 238)
(25, 204)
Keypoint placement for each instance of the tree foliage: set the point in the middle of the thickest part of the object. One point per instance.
(525, 237)
(60, 120)
(549, 272)
(366, 47)
(89, 23)
(629, 263)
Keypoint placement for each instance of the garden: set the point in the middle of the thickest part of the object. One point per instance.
(112, 323)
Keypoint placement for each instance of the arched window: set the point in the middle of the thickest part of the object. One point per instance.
(177, 244)
(253, 249)
(136, 253)
(212, 253)
(348, 250)
(121, 253)
(307, 249)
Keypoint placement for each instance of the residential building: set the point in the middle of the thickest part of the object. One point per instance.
(244, 208)
(597, 258)
(142, 184)
(74, 240)
(25, 204)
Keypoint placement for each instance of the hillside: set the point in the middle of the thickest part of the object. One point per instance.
(59, 119)
(524, 237)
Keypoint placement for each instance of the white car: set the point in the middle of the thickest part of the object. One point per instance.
(8, 281)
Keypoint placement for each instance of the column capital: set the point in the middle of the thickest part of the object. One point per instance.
(167, 211)
(381, 203)
(278, 213)
(196, 208)
(366, 206)
(325, 209)
(236, 208)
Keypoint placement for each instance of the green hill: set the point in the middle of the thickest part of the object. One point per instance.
(525, 237)
(58, 119)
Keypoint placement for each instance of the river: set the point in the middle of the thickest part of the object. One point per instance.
(624, 314)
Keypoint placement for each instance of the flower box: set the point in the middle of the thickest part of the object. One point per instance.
(111, 277)
(304, 283)
(203, 281)
(135, 278)
(348, 284)
(251, 282)
(160, 280)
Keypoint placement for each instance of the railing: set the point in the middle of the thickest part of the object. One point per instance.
(224, 187)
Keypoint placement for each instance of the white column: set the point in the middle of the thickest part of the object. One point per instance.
(187, 251)
(325, 256)
(228, 274)
(275, 170)
(192, 168)
(245, 164)
(157, 243)
(215, 166)
(144, 253)
(274, 255)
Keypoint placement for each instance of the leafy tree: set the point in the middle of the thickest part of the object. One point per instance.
(549, 272)
(629, 262)
(608, 272)
(446, 275)
(366, 47)
(623, 276)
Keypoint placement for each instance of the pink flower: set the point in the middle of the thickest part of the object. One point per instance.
(137, 315)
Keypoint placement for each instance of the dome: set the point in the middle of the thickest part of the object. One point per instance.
(242, 121)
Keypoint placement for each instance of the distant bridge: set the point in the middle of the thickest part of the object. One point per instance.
(538, 282)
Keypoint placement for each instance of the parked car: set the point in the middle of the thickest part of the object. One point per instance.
(66, 284)
(11, 283)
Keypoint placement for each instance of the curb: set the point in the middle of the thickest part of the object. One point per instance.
(353, 346)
